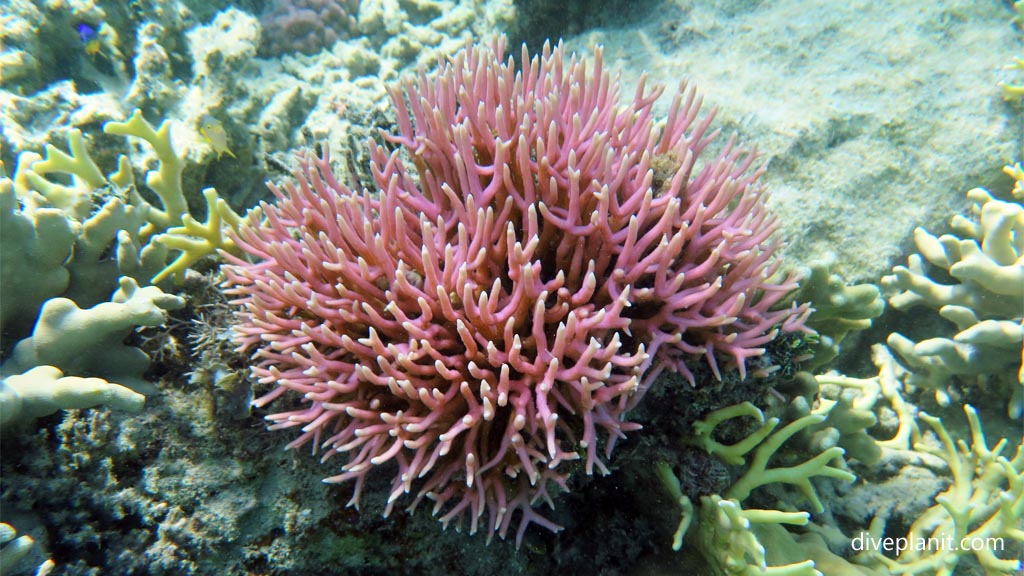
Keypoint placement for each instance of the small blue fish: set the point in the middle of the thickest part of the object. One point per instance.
(90, 38)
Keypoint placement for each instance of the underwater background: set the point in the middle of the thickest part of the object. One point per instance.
(136, 139)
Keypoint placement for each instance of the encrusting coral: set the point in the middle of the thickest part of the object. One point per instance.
(480, 320)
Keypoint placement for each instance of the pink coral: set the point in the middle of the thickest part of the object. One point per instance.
(477, 322)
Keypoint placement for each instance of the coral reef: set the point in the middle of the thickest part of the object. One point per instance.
(477, 327)
(191, 484)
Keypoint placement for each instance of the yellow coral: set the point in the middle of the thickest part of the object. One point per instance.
(984, 504)
(165, 180)
(1013, 91)
(1017, 173)
(196, 240)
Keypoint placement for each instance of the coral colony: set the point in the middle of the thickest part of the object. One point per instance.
(512, 293)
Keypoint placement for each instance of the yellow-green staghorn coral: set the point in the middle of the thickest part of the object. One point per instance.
(194, 240)
(172, 226)
(138, 232)
(765, 443)
(165, 181)
(724, 532)
(981, 512)
(75, 199)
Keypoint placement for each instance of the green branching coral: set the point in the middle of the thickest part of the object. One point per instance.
(980, 514)
(725, 533)
(194, 240)
(766, 442)
(982, 510)
(974, 278)
(839, 309)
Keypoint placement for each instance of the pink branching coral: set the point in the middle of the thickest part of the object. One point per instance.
(478, 321)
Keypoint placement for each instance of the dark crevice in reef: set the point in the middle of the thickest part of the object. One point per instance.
(543, 21)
